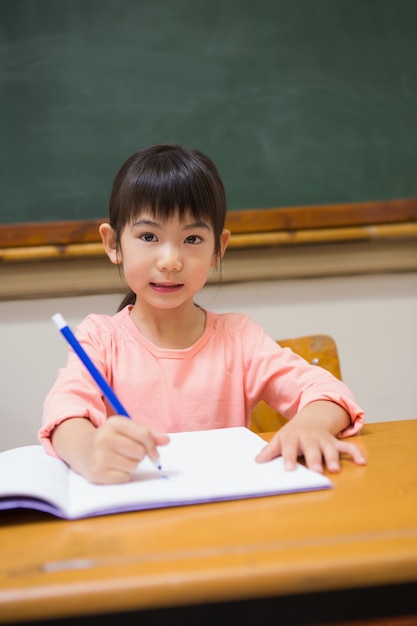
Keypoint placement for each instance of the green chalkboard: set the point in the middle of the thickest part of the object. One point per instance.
(297, 101)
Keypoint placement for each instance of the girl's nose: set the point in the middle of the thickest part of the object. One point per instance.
(169, 260)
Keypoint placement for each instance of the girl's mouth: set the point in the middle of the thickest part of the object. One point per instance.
(166, 287)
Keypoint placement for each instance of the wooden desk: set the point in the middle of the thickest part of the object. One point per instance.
(359, 536)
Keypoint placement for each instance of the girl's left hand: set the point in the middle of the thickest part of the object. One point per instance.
(310, 433)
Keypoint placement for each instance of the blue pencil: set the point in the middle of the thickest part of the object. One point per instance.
(108, 392)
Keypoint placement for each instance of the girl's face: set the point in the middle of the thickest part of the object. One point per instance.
(165, 263)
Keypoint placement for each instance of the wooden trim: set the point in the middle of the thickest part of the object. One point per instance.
(75, 276)
(325, 235)
(68, 233)
(323, 216)
(238, 241)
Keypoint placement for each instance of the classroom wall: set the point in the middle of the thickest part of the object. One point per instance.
(372, 317)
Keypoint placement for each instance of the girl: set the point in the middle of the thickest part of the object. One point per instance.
(174, 365)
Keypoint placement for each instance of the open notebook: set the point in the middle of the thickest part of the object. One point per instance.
(197, 467)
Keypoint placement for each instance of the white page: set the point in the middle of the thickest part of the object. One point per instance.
(197, 467)
(29, 471)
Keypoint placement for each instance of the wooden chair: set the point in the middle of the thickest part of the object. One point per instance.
(317, 349)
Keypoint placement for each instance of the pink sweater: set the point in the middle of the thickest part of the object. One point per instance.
(213, 384)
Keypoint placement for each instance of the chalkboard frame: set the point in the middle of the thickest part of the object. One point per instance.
(250, 228)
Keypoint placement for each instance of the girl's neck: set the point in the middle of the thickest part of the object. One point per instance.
(171, 329)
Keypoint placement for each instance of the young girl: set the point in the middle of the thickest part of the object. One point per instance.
(174, 365)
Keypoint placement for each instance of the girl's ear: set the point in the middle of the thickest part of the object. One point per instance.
(108, 237)
(224, 240)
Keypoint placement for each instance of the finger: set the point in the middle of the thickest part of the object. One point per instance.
(287, 449)
(150, 440)
(313, 457)
(160, 438)
(331, 456)
(114, 440)
(270, 451)
(138, 434)
(350, 449)
(289, 452)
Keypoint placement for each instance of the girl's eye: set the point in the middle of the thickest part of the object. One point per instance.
(193, 239)
(148, 237)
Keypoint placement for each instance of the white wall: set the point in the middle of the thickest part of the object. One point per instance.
(372, 317)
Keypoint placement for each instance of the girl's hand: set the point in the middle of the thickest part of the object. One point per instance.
(110, 453)
(310, 433)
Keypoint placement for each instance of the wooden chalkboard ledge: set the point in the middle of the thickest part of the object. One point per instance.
(250, 228)
(407, 230)
(74, 276)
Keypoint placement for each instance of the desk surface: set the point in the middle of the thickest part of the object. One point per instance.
(361, 533)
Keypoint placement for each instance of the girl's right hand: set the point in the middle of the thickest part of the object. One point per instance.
(110, 453)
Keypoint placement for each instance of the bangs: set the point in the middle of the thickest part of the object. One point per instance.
(169, 194)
